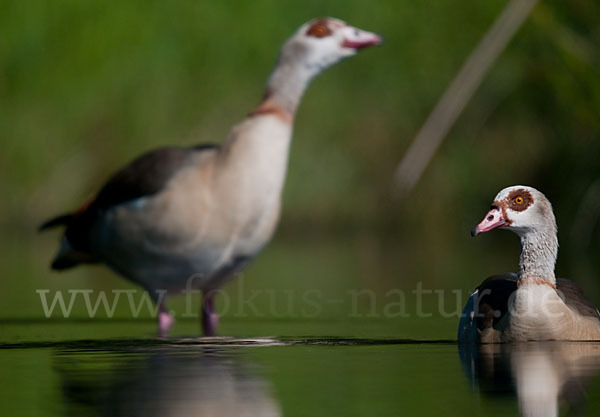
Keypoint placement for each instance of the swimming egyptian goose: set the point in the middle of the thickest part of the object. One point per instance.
(180, 218)
(533, 304)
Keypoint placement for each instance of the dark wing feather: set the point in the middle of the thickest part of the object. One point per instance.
(494, 294)
(55, 221)
(486, 306)
(145, 176)
(574, 298)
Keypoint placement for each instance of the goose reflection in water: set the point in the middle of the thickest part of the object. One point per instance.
(545, 375)
(170, 382)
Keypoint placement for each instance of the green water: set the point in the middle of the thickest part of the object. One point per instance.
(43, 372)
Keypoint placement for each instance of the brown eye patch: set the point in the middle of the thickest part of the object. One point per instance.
(319, 29)
(519, 200)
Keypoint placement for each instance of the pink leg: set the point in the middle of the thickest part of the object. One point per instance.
(165, 321)
(210, 319)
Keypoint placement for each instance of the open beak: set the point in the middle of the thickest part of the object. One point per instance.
(362, 39)
(492, 220)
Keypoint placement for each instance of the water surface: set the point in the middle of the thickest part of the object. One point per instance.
(285, 376)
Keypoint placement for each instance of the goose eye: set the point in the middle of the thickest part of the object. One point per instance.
(519, 200)
(318, 30)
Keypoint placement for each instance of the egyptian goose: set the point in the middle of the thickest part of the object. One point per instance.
(533, 304)
(180, 218)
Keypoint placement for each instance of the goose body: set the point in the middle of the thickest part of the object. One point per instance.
(196, 233)
(178, 219)
(531, 304)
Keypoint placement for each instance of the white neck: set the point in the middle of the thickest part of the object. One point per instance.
(287, 84)
(257, 149)
(539, 250)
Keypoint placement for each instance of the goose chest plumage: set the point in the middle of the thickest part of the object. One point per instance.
(181, 218)
(532, 304)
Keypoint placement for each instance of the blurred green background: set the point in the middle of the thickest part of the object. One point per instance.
(87, 86)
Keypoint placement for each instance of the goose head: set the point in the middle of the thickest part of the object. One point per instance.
(521, 209)
(320, 43)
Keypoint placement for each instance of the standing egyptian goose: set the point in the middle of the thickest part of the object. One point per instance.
(181, 218)
(533, 304)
